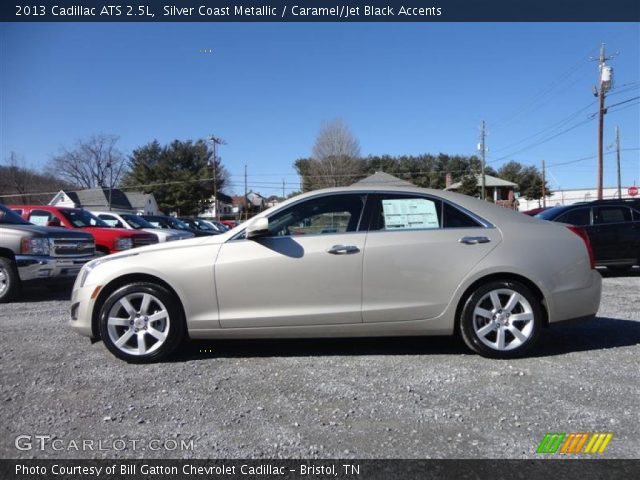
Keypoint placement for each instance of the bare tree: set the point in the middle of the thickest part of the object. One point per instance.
(336, 156)
(17, 178)
(93, 162)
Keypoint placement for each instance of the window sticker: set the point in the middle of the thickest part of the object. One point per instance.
(409, 213)
(40, 220)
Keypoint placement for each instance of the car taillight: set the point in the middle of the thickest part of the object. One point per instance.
(587, 243)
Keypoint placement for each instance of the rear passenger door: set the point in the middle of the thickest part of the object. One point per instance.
(418, 250)
(613, 227)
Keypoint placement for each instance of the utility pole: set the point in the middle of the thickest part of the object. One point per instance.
(215, 141)
(246, 201)
(283, 188)
(483, 151)
(110, 165)
(544, 193)
(605, 83)
(618, 162)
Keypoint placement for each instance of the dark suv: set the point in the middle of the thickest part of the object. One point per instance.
(613, 227)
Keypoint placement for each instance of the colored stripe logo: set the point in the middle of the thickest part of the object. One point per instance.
(568, 443)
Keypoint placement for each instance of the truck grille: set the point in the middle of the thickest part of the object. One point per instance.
(141, 242)
(72, 247)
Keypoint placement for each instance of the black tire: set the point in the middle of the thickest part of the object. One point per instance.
(619, 269)
(9, 280)
(499, 323)
(153, 349)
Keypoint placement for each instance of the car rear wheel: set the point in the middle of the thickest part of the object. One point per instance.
(9, 280)
(142, 323)
(501, 319)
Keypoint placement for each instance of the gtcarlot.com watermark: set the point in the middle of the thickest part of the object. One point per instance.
(52, 443)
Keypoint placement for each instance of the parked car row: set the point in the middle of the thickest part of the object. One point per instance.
(49, 243)
(31, 253)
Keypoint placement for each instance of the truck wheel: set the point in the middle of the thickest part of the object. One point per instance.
(9, 280)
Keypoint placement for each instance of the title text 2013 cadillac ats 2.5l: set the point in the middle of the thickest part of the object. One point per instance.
(347, 262)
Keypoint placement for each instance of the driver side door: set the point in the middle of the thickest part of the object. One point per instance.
(306, 271)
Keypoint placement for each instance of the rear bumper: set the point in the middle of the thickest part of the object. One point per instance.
(36, 267)
(578, 303)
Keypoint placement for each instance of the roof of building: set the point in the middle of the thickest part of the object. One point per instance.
(137, 200)
(383, 179)
(489, 181)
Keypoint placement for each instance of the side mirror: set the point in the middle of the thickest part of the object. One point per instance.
(258, 228)
(54, 222)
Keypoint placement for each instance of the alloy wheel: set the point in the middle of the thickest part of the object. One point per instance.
(503, 319)
(138, 323)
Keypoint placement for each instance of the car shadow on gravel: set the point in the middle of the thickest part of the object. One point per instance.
(599, 334)
(47, 293)
(320, 347)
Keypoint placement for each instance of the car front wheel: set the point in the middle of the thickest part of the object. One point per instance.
(501, 319)
(141, 323)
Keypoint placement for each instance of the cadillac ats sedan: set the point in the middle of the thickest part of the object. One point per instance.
(347, 262)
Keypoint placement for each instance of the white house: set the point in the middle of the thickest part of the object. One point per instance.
(102, 199)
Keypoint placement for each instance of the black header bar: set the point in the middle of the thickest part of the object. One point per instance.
(320, 11)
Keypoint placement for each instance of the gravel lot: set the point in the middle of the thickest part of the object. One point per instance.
(366, 398)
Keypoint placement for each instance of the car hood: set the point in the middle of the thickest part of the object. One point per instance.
(49, 231)
(187, 243)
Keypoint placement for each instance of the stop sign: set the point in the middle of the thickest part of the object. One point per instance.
(633, 191)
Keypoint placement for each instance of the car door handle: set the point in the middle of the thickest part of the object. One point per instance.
(343, 249)
(474, 240)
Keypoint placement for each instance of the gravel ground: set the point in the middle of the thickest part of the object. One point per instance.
(366, 398)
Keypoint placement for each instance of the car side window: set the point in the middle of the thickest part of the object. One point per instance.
(578, 217)
(454, 218)
(40, 217)
(405, 212)
(317, 216)
(604, 215)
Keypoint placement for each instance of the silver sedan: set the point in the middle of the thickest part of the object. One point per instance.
(346, 262)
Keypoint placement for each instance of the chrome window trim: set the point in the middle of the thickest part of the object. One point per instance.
(483, 223)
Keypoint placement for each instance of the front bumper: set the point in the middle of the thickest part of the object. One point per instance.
(82, 310)
(34, 267)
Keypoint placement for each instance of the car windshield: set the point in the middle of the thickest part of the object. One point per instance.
(82, 219)
(204, 225)
(550, 213)
(8, 216)
(175, 223)
(136, 221)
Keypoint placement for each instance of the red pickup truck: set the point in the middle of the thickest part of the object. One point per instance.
(108, 240)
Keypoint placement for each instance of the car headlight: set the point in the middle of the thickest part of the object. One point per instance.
(124, 243)
(36, 246)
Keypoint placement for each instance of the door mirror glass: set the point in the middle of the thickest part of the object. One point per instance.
(258, 228)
